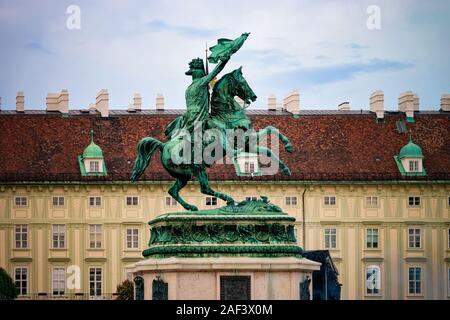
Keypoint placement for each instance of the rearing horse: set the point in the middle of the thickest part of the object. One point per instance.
(226, 113)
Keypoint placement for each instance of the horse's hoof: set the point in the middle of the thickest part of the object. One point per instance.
(287, 172)
(289, 148)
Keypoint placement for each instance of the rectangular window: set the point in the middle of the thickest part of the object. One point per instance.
(95, 201)
(171, 201)
(21, 201)
(448, 282)
(414, 238)
(95, 282)
(21, 280)
(372, 238)
(251, 198)
(330, 238)
(372, 201)
(448, 238)
(132, 238)
(94, 166)
(95, 236)
(132, 201)
(414, 201)
(211, 201)
(58, 235)
(329, 200)
(373, 280)
(58, 281)
(291, 201)
(413, 165)
(249, 167)
(21, 236)
(415, 280)
(58, 201)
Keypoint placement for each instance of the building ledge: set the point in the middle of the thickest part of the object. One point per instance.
(21, 259)
(372, 222)
(372, 259)
(95, 259)
(415, 259)
(59, 259)
(131, 259)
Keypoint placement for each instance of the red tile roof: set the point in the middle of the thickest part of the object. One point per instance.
(43, 146)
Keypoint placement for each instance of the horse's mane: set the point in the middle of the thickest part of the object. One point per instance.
(219, 84)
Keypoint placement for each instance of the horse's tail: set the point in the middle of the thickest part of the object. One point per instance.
(145, 148)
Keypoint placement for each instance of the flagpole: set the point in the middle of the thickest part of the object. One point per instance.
(206, 58)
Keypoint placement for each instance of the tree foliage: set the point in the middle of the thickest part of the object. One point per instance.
(8, 290)
(125, 290)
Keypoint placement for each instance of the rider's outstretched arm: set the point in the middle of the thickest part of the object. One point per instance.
(216, 71)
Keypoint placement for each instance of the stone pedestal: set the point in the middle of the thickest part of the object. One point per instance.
(246, 251)
(200, 278)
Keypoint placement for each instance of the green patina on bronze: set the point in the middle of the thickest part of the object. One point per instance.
(222, 233)
(220, 251)
(203, 115)
(255, 228)
(251, 228)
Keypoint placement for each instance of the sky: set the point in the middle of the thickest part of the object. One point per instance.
(331, 51)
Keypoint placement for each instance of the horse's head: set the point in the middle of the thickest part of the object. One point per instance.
(241, 87)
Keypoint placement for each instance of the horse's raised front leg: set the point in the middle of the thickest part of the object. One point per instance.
(174, 191)
(206, 189)
(272, 130)
(269, 153)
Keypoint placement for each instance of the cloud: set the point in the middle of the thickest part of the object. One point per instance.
(269, 56)
(159, 25)
(356, 46)
(324, 49)
(309, 76)
(37, 47)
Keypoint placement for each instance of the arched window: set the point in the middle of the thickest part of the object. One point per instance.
(373, 280)
(139, 288)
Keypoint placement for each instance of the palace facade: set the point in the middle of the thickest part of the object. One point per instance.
(372, 187)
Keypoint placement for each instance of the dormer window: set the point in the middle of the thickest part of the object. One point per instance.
(410, 160)
(249, 167)
(91, 161)
(413, 165)
(94, 166)
(246, 164)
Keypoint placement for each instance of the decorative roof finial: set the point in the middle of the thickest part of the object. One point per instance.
(92, 135)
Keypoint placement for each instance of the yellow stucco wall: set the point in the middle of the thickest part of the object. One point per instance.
(350, 217)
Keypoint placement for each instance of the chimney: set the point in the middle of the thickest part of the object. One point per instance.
(377, 103)
(159, 102)
(52, 102)
(131, 108)
(445, 102)
(272, 102)
(20, 102)
(137, 101)
(291, 102)
(416, 102)
(240, 101)
(58, 101)
(406, 104)
(344, 106)
(102, 102)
